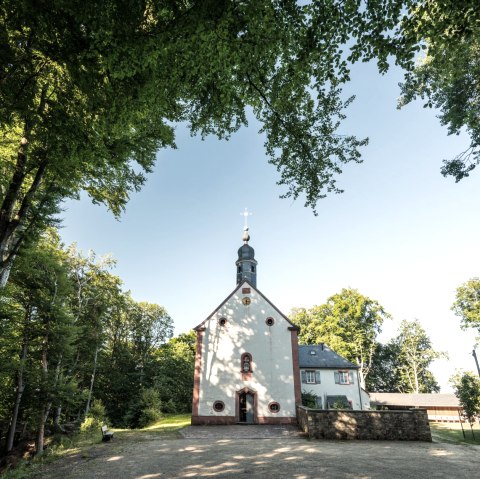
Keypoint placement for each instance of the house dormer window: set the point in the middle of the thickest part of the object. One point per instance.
(246, 363)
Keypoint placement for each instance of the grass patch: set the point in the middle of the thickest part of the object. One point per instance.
(168, 427)
(452, 433)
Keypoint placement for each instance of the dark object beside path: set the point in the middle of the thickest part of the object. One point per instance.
(106, 434)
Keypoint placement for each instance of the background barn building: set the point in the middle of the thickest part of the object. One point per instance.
(439, 407)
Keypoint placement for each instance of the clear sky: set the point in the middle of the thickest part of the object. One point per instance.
(401, 233)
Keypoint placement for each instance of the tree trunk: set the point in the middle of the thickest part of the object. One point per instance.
(415, 377)
(45, 407)
(56, 419)
(20, 383)
(42, 419)
(92, 380)
(4, 274)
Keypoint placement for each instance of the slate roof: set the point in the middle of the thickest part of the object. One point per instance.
(415, 400)
(321, 356)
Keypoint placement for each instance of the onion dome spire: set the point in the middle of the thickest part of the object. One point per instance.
(246, 264)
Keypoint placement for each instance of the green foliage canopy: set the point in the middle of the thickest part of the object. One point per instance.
(348, 323)
(89, 91)
(467, 389)
(467, 304)
(402, 364)
(446, 77)
(69, 337)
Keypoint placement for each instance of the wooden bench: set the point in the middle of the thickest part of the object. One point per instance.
(106, 434)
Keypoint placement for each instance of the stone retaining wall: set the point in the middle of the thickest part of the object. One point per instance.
(408, 425)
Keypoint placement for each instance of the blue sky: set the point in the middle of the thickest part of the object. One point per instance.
(401, 233)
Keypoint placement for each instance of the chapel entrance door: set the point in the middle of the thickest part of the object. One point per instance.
(246, 408)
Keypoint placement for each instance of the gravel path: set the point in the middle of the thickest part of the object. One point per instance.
(276, 457)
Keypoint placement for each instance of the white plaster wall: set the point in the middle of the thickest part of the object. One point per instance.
(328, 387)
(271, 350)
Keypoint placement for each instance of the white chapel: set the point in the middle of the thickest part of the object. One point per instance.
(247, 360)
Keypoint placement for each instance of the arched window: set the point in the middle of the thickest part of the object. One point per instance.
(246, 363)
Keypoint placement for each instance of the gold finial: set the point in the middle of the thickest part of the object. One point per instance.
(246, 235)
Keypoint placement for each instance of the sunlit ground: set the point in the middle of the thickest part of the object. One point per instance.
(452, 433)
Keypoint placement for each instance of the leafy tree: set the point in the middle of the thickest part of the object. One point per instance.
(174, 366)
(416, 353)
(385, 373)
(151, 326)
(70, 336)
(86, 99)
(144, 409)
(467, 304)
(348, 322)
(40, 290)
(446, 77)
(467, 389)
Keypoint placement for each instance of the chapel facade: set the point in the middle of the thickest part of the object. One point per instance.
(246, 364)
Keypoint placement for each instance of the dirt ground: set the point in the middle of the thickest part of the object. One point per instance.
(215, 454)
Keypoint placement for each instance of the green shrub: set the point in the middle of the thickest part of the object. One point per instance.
(95, 418)
(149, 416)
(145, 409)
(309, 399)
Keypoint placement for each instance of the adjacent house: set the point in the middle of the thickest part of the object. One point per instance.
(333, 380)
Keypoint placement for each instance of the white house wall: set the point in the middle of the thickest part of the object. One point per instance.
(246, 332)
(328, 387)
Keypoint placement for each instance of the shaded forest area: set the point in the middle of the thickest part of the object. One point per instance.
(71, 337)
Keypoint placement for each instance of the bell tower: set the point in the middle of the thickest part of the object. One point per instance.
(246, 264)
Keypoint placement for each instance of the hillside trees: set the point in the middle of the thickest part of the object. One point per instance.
(348, 323)
(402, 365)
(69, 334)
(174, 365)
(467, 389)
(385, 373)
(87, 98)
(467, 304)
(40, 325)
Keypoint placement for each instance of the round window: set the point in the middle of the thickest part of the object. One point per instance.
(270, 321)
(218, 406)
(246, 301)
(274, 407)
(222, 321)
